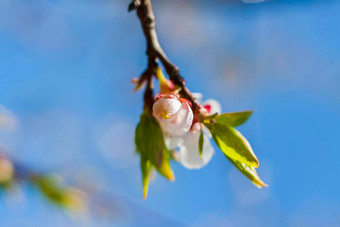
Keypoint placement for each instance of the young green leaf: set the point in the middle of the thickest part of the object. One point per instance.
(210, 117)
(146, 168)
(50, 187)
(234, 119)
(200, 143)
(150, 143)
(60, 195)
(233, 144)
(249, 172)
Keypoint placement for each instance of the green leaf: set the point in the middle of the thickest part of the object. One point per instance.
(50, 187)
(150, 144)
(210, 117)
(233, 144)
(234, 119)
(58, 194)
(200, 143)
(249, 172)
(146, 168)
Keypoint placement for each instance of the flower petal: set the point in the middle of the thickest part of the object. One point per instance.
(179, 123)
(206, 131)
(173, 142)
(214, 106)
(165, 107)
(189, 155)
(197, 96)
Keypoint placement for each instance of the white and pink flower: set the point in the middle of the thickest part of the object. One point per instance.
(174, 115)
(186, 142)
(189, 155)
(211, 105)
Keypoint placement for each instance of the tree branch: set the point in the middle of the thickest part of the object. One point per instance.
(155, 51)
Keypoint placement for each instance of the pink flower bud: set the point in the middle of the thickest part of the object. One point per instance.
(174, 116)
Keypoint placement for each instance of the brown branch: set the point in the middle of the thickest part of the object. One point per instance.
(155, 51)
(148, 93)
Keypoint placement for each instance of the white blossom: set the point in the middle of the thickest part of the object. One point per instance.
(175, 117)
(212, 106)
(189, 153)
(188, 148)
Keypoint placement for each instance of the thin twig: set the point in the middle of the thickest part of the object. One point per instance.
(155, 51)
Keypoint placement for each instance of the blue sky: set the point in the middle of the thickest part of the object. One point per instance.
(65, 73)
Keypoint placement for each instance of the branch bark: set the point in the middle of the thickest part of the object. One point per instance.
(155, 51)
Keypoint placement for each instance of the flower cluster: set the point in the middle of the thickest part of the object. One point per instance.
(182, 130)
(171, 127)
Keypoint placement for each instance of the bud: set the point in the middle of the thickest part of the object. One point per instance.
(174, 115)
(166, 86)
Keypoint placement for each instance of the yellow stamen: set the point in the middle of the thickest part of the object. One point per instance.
(165, 115)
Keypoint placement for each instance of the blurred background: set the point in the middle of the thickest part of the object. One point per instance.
(65, 71)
